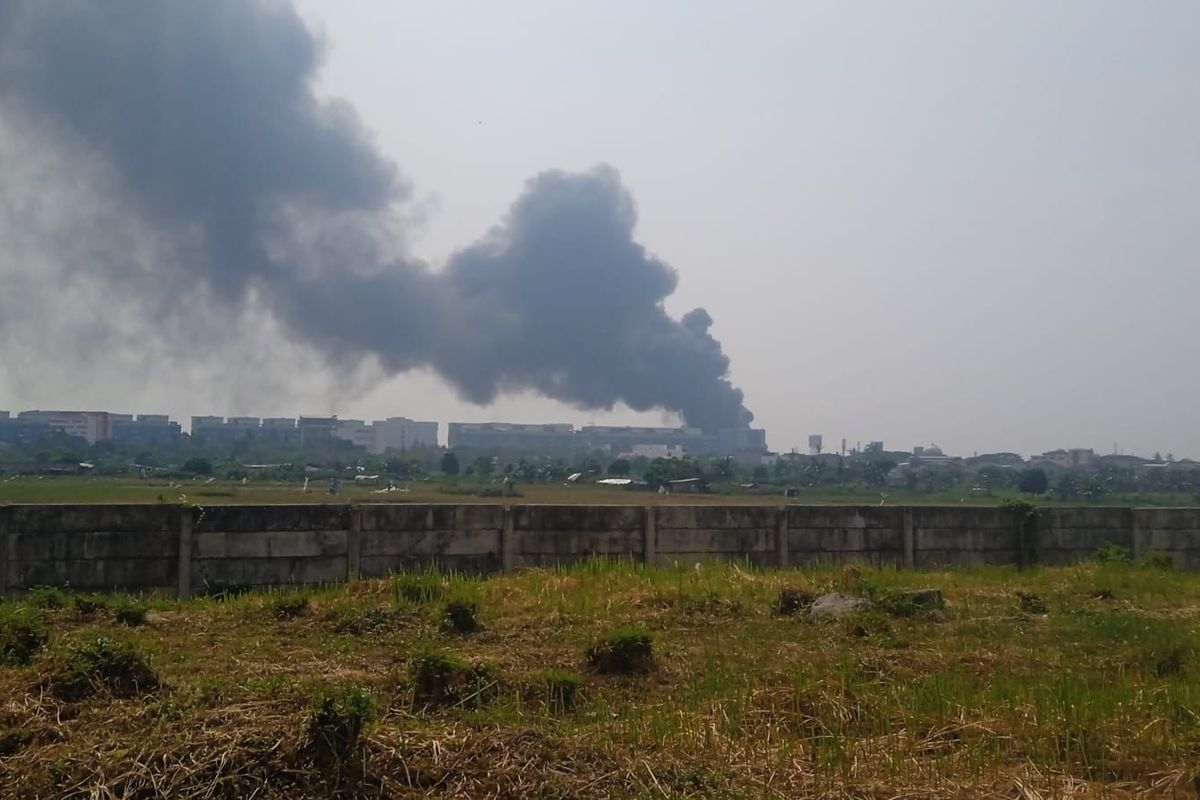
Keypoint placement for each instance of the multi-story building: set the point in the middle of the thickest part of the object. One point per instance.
(356, 432)
(402, 433)
(547, 439)
(91, 426)
(145, 431)
(317, 431)
(21, 431)
(279, 430)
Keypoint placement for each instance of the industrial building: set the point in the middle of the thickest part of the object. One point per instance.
(563, 439)
(393, 433)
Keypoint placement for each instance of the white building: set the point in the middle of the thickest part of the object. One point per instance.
(393, 433)
(401, 433)
(658, 451)
(92, 426)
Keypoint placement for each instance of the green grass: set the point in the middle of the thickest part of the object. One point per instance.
(1097, 696)
(98, 489)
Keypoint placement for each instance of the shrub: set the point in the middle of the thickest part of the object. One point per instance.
(13, 741)
(1157, 560)
(418, 588)
(22, 634)
(625, 651)
(1113, 553)
(103, 666)
(336, 721)
(354, 621)
(442, 679)
(130, 614)
(793, 601)
(461, 616)
(87, 607)
(288, 606)
(1032, 604)
(48, 597)
(562, 690)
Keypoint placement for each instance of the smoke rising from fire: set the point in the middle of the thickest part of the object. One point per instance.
(201, 121)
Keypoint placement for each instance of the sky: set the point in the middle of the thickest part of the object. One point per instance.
(968, 224)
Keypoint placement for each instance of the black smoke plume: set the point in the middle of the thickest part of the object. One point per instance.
(204, 114)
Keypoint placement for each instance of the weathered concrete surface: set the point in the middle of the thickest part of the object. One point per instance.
(138, 547)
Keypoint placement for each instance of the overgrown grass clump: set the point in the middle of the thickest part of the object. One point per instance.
(562, 690)
(461, 616)
(441, 679)
(23, 633)
(130, 614)
(288, 605)
(627, 650)
(336, 720)
(103, 666)
(418, 588)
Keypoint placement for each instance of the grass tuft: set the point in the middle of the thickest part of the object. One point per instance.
(102, 666)
(625, 651)
(23, 633)
(336, 720)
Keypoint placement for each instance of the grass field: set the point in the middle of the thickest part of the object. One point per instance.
(1070, 682)
(202, 491)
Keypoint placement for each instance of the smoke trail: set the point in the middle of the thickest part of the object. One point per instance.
(201, 121)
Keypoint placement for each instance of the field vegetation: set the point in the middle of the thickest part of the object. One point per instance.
(609, 679)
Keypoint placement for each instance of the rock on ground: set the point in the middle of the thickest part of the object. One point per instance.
(836, 605)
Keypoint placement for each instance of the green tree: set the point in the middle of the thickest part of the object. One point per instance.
(1033, 481)
(197, 466)
(450, 463)
(620, 468)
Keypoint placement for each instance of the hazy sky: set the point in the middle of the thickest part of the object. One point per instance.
(964, 223)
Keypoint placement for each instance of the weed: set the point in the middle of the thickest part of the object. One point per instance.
(130, 615)
(444, 680)
(562, 690)
(288, 605)
(358, 621)
(460, 616)
(418, 588)
(793, 601)
(710, 603)
(51, 598)
(625, 651)
(1113, 553)
(86, 607)
(1156, 560)
(336, 721)
(13, 741)
(103, 666)
(22, 634)
(1032, 603)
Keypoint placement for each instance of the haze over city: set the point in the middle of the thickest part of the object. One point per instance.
(928, 222)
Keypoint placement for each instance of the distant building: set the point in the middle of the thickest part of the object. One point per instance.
(402, 433)
(21, 432)
(815, 442)
(317, 431)
(147, 430)
(356, 432)
(91, 426)
(547, 439)
(1065, 459)
(658, 451)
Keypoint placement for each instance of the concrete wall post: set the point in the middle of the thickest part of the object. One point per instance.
(5, 525)
(508, 541)
(781, 537)
(184, 589)
(650, 537)
(354, 544)
(1135, 534)
(910, 539)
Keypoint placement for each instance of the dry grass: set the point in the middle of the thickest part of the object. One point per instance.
(1098, 697)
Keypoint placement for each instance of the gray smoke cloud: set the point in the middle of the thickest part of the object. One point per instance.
(201, 120)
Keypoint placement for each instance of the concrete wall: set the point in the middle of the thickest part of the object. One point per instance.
(188, 549)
